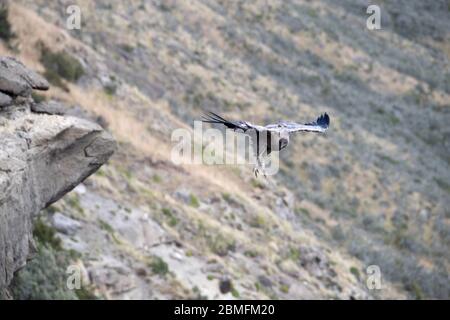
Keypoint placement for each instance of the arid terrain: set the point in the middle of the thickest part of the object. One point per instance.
(374, 190)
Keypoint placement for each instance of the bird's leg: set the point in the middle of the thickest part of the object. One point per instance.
(264, 171)
(262, 161)
(255, 171)
(263, 167)
(258, 166)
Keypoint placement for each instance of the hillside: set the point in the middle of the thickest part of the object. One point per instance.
(375, 190)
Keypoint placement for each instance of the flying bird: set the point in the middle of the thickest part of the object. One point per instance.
(276, 135)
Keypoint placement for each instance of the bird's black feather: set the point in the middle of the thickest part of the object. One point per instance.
(323, 121)
(212, 117)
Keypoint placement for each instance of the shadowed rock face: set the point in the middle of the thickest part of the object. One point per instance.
(42, 157)
(16, 79)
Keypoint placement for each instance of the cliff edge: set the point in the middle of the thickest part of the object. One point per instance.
(42, 157)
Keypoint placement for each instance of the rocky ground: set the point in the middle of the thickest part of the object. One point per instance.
(373, 191)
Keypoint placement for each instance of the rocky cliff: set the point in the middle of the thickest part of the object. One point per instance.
(42, 157)
(373, 191)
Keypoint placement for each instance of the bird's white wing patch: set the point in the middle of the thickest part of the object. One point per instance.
(320, 125)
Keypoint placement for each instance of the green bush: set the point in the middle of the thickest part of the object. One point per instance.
(110, 89)
(220, 245)
(105, 226)
(159, 266)
(156, 178)
(45, 277)
(284, 288)
(55, 79)
(60, 65)
(74, 202)
(173, 221)
(355, 272)
(235, 293)
(46, 235)
(5, 27)
(38, 97)
(194, 201)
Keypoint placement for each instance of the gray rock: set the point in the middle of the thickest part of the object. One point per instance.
(225, 285)
(5, 100)
(65, 224)
(51, 107)
(42, 157)
(55, 107)
(17, 80)
(112, 273)
(183, 195)
(265, 281)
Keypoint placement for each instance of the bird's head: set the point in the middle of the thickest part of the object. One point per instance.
(282, 143)
(283, 140)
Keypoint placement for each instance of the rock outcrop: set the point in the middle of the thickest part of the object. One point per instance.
(42, 157)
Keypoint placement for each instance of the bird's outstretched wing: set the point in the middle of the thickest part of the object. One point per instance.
(320, 125)
(211, 117)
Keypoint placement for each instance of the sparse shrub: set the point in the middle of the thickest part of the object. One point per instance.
(227, 197)
(347, 75)
(100, 172)
(44, 277)
(417, 96)
(74, 202)
(302, 211)
(354, 271)
(220, 245)
(235, 293)
(55, 79)
(311, 12)
(85, 294)
(256, 183)
(159, 266)
(294, 254)
(46, 235)
(173, 221)
(251, 253)
(443, 184)
(416, 290)
(110, 89)
(108, 228)
(388, 159)
(5, 27)
(105, 226)
(60, 65)
(193, 201)
(156, 178)
(127, 47)
(284, 288)
(258, 221)
(38, 97)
